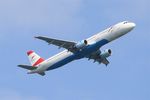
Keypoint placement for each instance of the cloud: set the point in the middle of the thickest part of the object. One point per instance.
(14, 95)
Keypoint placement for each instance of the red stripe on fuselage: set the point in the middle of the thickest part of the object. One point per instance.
(38, 62)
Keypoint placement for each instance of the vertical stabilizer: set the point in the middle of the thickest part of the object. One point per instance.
(34, 58)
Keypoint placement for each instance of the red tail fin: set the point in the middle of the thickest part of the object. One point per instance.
(34, 58)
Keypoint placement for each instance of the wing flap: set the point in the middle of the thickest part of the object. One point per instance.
(103, 60)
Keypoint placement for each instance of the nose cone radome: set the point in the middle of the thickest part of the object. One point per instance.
(131, 26)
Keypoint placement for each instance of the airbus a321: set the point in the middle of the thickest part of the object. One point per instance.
(88, 48)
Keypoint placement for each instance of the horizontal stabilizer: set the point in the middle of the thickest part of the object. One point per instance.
(27, 67)
(42, 73)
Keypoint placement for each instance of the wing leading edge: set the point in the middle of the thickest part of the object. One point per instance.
(60, 43)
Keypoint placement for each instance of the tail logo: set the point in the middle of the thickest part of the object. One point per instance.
(34, 58)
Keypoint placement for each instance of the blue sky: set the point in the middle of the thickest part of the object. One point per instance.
(127, 76)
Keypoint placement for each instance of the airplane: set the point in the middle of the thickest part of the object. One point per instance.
(88, 48)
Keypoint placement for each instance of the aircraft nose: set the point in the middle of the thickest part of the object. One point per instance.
(131, 26)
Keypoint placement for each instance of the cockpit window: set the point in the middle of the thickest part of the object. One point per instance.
(125, 22)
(110, 29)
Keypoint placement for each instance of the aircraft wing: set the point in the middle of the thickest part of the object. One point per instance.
(60, 43)
(97, 58)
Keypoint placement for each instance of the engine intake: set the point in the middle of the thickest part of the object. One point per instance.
(81, 44)
(106, 53)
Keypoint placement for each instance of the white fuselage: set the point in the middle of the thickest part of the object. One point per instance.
(94, 42)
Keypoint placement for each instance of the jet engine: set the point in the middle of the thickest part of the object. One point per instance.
(81, 44)
(106, 53)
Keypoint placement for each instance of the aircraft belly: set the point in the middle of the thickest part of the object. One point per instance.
(61, 60)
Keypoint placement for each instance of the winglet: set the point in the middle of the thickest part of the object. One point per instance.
(38, 37)
(29, 52)
(35, 36)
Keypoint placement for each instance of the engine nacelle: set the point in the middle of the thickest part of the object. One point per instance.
(81, 44)
(106, 53)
